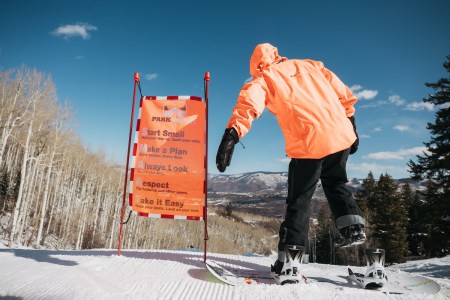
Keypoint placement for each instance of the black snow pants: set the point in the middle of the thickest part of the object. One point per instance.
(302, 180)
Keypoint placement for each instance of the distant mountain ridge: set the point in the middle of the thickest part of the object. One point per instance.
(248, 182)
(273, 182)
(265, 192)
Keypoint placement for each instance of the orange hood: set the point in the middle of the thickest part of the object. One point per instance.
(263, 57)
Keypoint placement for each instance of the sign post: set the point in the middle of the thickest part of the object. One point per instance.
(168, 173)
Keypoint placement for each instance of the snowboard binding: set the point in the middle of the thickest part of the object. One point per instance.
(352, 235)
(375, 276)
(289, 273)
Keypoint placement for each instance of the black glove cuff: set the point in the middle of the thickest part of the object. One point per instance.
(355, 145)
(352, 119)
(232, 133)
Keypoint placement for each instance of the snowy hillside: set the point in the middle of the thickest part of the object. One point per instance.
(260, 182)
(151, 274)
(265, 193)
(248, 182)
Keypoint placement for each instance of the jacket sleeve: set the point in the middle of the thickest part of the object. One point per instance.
(346, 97)
(249, 106)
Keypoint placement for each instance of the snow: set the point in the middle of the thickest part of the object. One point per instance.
(155, 274)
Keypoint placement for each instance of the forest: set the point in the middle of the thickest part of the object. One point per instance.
(57, 193)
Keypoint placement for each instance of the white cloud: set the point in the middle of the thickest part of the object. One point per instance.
(397, 155)
(364, 136)
(79, 57)
(401, 128)
(74, 30)
(361, 93)
(395, 99)
(285, 160)
(248, 80)
(366, 94)
(418, 106)
(377, 129)
(151, 76)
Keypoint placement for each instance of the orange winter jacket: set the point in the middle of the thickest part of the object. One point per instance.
(311, 103)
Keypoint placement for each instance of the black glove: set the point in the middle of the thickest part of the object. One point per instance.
(225, 151)
(355, 145)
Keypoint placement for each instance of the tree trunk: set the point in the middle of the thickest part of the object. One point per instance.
(21, 188)
(45, 197)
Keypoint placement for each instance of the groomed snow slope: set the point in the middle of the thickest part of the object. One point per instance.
(151, 274)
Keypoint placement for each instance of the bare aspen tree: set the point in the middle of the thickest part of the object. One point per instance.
(10, 114)
(82, 225)
(24, 210)
(37, 88)
(97, 201)
(63, 114)
(69, 199)
(54, 204)
(115, 219)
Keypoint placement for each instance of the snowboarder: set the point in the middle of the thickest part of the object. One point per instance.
(315, 111)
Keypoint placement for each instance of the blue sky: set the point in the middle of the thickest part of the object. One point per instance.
(384, 50)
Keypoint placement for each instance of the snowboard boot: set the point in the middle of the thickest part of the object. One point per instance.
(351, 236)
(375, 276)
(288, 271)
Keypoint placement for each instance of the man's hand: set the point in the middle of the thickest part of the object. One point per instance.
(225, 151)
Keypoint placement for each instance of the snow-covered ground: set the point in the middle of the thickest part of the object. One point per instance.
(151, 274)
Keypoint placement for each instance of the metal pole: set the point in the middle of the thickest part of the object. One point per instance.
(205, 211)
(136, 83)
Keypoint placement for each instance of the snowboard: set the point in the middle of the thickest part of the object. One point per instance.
(239, 276)
(316, 274)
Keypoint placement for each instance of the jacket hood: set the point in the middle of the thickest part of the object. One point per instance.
(263, 56)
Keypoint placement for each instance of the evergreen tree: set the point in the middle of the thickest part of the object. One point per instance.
(413, 207)
(366, 194)
(4, 183)
(16, 187)
(324, 236)
(4, 189)
(229, 209)
(407, 195)
(391, 220)
(365, 198)
(434, 165)
(435, 238)
(416, 226)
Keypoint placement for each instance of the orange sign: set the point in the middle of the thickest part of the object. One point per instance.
(169, 171)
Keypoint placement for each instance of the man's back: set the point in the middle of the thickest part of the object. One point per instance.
(311, 103)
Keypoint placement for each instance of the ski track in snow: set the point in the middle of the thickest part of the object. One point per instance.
(157, 274)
